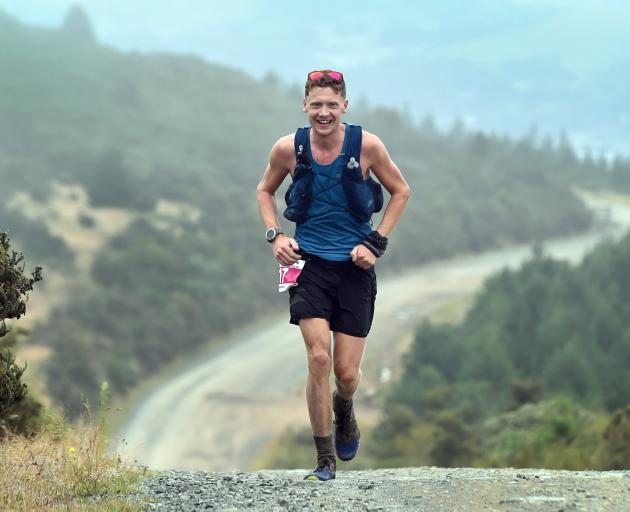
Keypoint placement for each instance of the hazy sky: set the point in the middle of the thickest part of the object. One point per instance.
(585, 35)
(479, 59)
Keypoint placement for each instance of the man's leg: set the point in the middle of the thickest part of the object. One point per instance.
(348, 352)
(316, 333)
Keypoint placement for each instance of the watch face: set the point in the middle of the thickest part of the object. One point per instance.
(270, 234)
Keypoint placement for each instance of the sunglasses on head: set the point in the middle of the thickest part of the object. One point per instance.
(337, 76)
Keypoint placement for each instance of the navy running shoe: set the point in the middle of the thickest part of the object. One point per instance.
(326, 469)
(347, 432)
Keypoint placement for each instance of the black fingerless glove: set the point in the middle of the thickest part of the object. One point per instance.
(376, 243)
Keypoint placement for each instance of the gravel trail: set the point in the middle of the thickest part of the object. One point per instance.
(417, 489)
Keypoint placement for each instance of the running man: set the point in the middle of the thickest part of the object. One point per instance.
(334, 235)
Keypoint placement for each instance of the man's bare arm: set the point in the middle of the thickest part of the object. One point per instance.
(274, 175)
(391, 178)
(280, 161)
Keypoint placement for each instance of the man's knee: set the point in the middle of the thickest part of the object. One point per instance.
(346, 375)
(319, 362)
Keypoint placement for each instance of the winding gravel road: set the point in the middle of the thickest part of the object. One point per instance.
(218, 414)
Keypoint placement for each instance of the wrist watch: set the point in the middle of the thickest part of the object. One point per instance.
(272, 233)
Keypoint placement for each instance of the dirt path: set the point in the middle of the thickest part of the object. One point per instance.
(219, 414)
(417, 489)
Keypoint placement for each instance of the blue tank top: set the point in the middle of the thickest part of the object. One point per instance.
(330, 231)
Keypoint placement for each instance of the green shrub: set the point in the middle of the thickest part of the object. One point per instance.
(15, 412)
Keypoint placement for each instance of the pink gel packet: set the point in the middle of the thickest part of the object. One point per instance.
(289, 275)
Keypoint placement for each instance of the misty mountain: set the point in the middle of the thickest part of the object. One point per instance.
(502, 66)
(169, 148)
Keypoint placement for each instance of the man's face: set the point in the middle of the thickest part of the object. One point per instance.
(324, 107)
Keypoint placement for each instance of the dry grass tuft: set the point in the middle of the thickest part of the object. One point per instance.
(66, 468)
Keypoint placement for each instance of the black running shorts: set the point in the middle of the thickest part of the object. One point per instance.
(339, 291)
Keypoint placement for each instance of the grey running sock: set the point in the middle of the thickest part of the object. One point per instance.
(324, 447)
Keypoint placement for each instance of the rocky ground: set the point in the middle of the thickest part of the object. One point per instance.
(417, 489)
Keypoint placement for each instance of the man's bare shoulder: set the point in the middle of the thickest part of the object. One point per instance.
(282, 154)
(370, 140)
(372, 146)
(283, 148)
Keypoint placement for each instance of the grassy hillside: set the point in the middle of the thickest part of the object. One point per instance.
(173, 147)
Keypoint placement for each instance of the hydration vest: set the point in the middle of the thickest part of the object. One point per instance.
(365, 197)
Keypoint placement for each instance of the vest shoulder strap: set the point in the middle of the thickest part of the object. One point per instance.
(355, 135)
(301, 143)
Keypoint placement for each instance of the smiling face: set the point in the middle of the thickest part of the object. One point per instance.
(324, 108)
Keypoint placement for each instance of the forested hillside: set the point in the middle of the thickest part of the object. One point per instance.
(177, 145)
(536, 375)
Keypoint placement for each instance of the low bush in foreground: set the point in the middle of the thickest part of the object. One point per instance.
(68, 468)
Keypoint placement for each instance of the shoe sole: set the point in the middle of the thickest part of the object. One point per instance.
(314, 478)
(347, 458)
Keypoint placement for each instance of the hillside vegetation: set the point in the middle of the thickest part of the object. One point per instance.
(45, 462)
(535, 376)
(137, 132)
